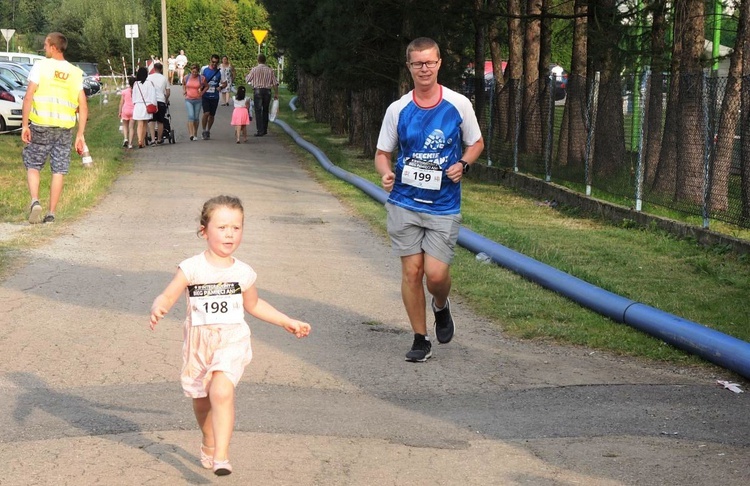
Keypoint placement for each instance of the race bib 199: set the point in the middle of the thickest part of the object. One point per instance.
(216, 303)
(422, 175)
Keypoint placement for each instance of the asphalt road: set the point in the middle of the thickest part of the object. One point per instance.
(91, 395)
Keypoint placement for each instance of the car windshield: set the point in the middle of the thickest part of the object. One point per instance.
(89, 68)
(7, 84)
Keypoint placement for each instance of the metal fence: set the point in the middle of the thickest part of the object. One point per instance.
(648, 138)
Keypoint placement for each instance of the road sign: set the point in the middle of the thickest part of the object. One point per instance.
(259, 35)
(7, 33)
(131, 31)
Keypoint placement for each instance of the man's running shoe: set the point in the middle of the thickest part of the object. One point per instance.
(35, 213)
(444, 326)
(421, 350)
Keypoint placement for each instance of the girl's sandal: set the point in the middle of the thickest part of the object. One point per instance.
(206, 461)
(222, 468)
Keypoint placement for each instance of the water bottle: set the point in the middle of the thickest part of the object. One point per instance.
(86, 157)
(482, 257)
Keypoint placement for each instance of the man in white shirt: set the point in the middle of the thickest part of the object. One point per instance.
(161, 85)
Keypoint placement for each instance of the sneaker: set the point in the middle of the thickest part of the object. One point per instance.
(208, 134)
(125, 143)
(444, 326)
(192, 138)
(130, 146)
(50, 218)
(421, 350)
(35, 213)
(203, 135)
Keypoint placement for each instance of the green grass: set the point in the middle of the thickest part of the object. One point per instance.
(83, 187)
(649, 266)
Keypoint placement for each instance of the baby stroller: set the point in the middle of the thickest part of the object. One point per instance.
(167, 134)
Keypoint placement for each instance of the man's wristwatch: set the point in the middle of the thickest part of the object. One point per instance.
(467, 166)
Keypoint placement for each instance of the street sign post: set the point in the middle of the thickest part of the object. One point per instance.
(259, 36)
(8, 34)
(131, 32)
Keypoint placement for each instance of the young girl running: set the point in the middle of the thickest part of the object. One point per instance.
(219, 290)
(241, 114)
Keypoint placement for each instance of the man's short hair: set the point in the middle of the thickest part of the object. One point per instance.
(158, 67)
(421, 44)
(58, 40)
(261, 59)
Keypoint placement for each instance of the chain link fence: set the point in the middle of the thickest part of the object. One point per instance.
(675, 142)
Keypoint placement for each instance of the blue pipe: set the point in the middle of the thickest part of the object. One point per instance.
(717, 347)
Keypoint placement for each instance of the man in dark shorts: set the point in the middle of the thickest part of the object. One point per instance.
(53, 98)
(212, 87)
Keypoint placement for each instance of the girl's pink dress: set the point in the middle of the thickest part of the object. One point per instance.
(127, 104)
(240, 115)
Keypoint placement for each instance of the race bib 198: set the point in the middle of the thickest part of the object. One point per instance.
(216, 303)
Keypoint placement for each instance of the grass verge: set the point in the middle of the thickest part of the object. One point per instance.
(84, 187)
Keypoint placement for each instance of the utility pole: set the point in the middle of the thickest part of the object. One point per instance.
(164, 51)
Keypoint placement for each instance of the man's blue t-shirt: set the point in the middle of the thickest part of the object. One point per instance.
(429, 140)
(213, 78)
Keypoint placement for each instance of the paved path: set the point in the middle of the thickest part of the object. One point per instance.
(91, 396)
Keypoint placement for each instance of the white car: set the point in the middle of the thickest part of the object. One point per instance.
(18, 90)
(11, 112)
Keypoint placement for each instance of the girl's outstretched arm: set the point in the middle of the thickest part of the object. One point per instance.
(257, 307)
(168, 297)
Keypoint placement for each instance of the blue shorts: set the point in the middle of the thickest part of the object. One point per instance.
(48, 141)
(193, 108)
(413, 233)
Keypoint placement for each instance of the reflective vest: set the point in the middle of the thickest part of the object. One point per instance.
(56, 97)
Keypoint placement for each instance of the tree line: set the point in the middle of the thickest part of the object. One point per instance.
(96, 29)
(350, 64)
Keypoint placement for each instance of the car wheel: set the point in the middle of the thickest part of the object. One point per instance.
(2, 124)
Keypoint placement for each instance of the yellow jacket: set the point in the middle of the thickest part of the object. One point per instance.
(56, 97)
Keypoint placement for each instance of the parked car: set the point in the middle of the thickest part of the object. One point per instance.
(15, 88)
(11, 111)
(91, 78)
(20, 57)
(15, 71)
(90, 70)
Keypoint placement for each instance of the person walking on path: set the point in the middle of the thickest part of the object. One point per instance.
(143, 94)
(262, 79)
(126, 114)
(53, 96)
(212, 84)
(161, 88)
(171, 68)
(192, 89)
(180, 62)
(219, 289)
(227, 78)
(438, 138)
(241, 114)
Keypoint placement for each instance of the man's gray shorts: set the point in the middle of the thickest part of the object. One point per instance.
(412, 233)
(48, 141)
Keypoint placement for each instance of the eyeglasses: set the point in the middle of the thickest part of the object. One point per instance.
(420, 65)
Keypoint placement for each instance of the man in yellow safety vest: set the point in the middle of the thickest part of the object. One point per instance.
(54, 96)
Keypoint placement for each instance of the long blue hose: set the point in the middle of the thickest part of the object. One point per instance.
(719, 348)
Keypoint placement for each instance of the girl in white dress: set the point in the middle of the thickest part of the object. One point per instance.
(219, 290)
